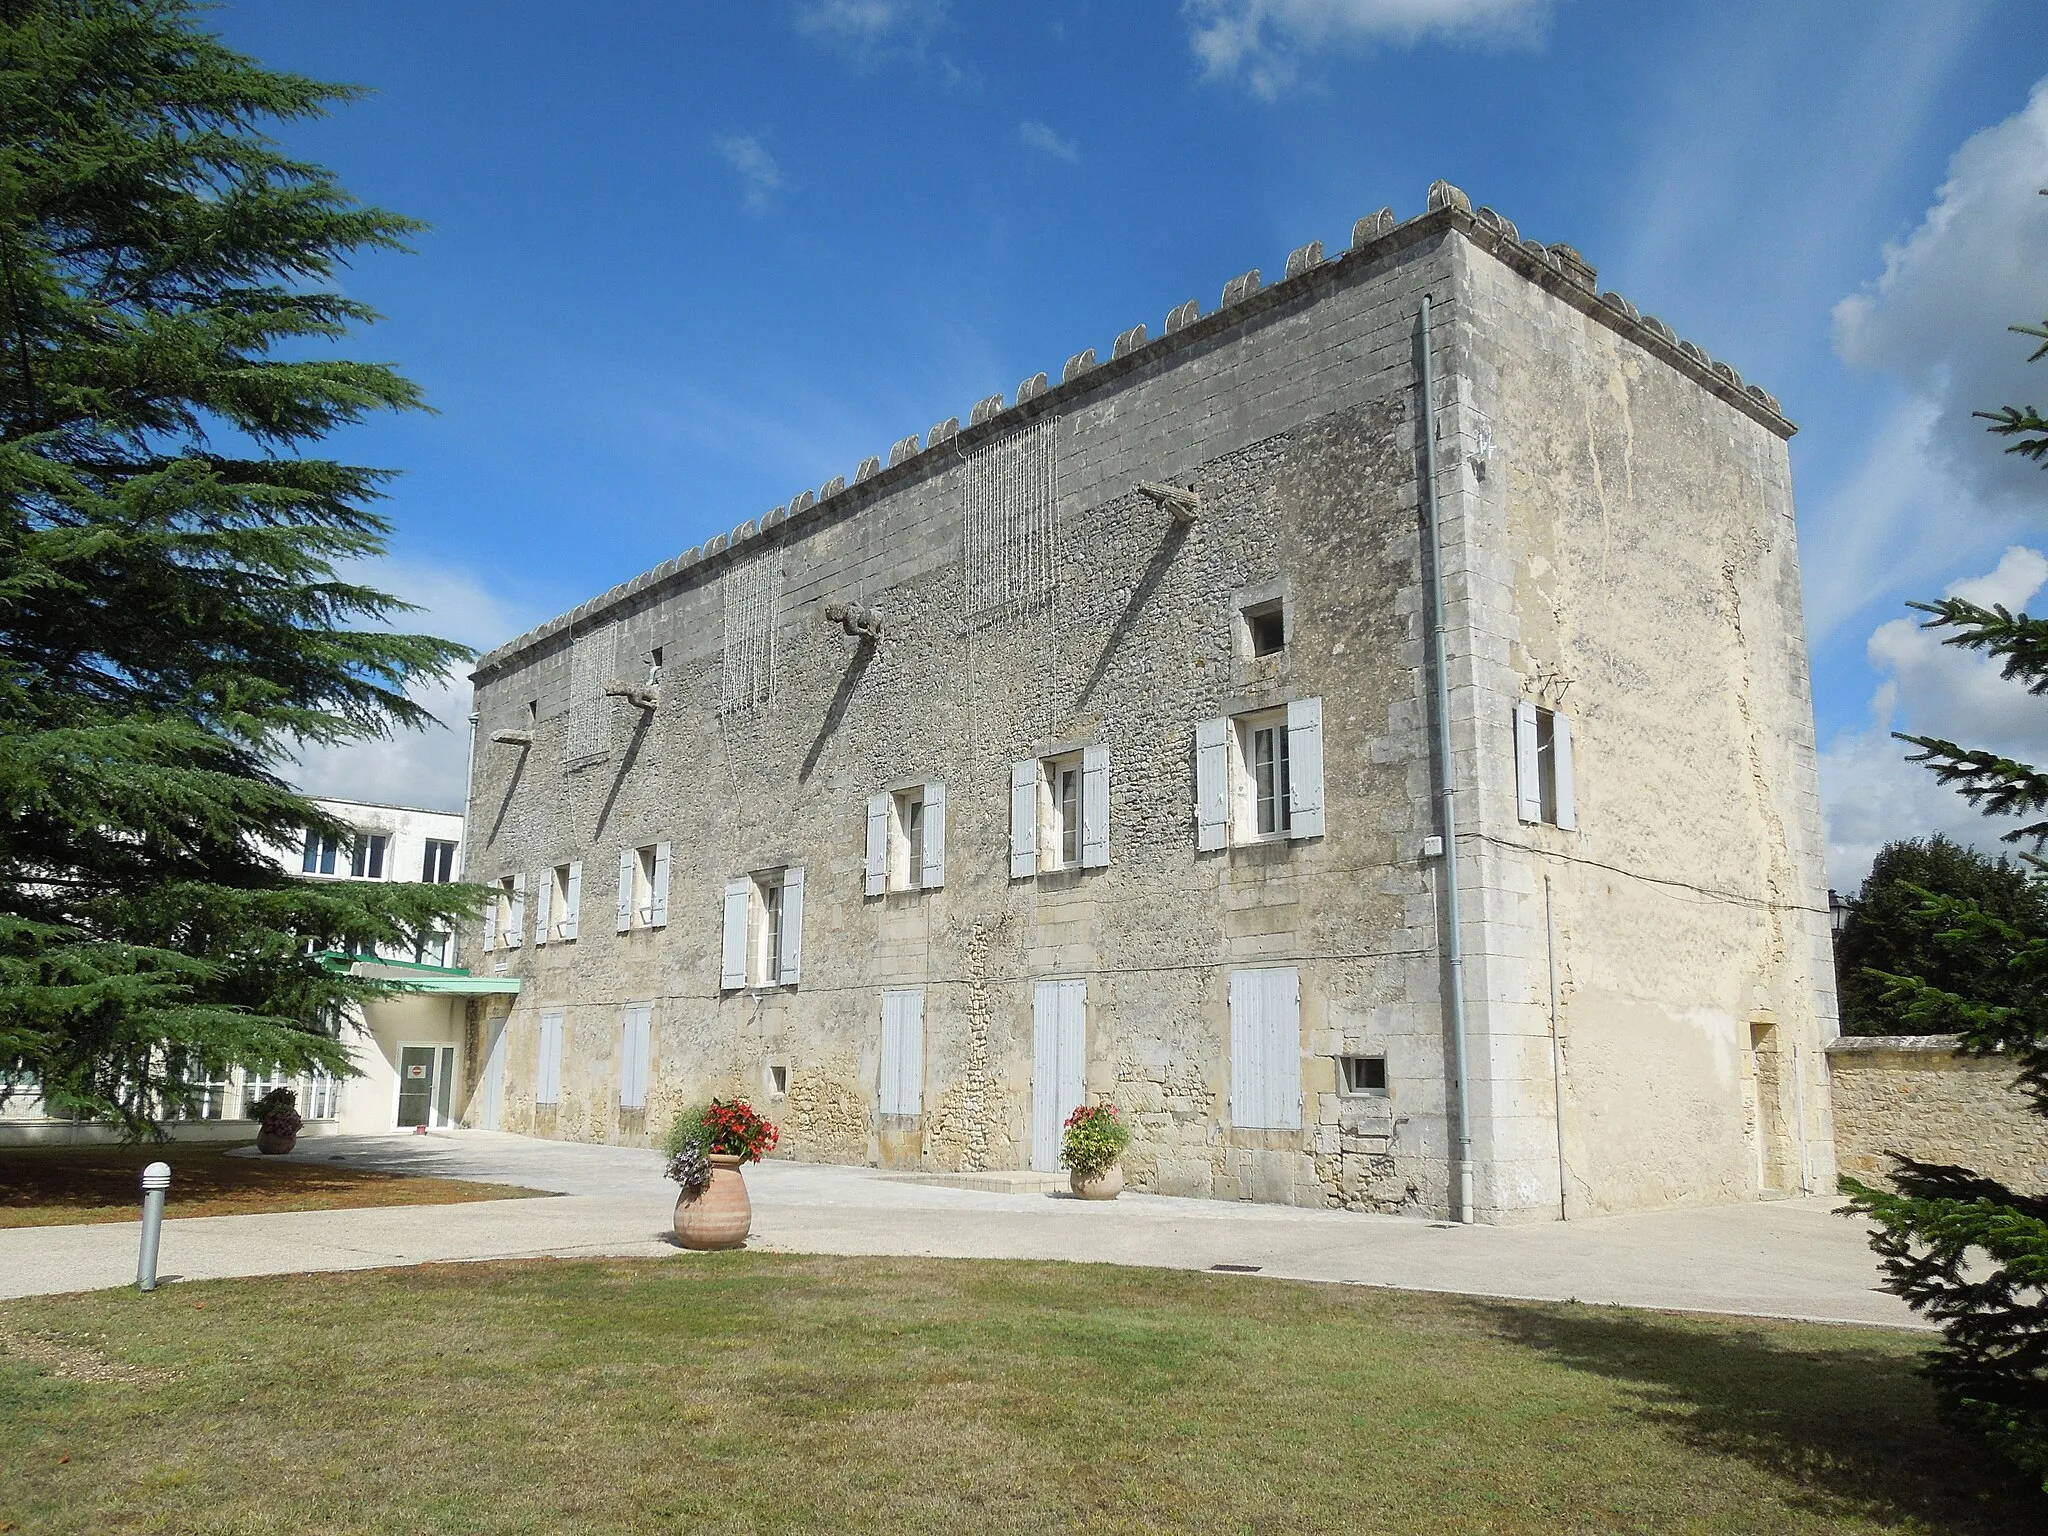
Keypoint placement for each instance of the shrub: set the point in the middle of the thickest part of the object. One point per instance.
(1095, 1138)
(278, 1113)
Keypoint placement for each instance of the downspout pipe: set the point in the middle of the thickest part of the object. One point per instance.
(1447, 810)
(462, 846)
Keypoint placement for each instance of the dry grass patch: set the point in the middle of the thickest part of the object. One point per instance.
(61, 1186)
(762, 1393)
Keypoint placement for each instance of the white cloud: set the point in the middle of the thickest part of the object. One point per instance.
(1264, 40)
(871, 33)
(1872, 793)
(760, 176)
(1042, 138)
(1937, 318)
(422, 768)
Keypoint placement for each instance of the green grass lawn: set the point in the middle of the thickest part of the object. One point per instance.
(752, 1392)
(62, 1186)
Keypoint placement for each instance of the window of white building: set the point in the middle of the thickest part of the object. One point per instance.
(438, 867)
(1059, 812)
(366, 860)
(1544, 789)
(1259, 776)
(763, 931)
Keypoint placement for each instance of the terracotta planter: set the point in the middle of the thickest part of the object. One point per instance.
(273, 1145)
(719, 1215)
(1106, 1185)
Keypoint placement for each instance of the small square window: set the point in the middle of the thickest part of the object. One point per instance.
(1364, 1074)
(1265, 626)
(778, 1082)
(654, 667)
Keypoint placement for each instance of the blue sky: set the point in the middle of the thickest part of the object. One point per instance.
(687, 260)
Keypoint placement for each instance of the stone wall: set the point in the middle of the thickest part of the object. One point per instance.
(1037, 591)
(1921, 1097)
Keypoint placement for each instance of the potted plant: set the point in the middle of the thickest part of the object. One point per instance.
(1092, 1148)
(277, 1121)
(705, 1149)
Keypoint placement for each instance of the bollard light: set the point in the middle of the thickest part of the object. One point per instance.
(156, 1178)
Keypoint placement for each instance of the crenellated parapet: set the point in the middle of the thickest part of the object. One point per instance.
(1560, 269)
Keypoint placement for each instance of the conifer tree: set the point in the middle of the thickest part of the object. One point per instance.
(175, 624)
(1963, 1249)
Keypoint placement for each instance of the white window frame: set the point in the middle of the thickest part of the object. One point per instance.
(1051, 831)
(763, 930)
(1226, 780)
(507, 913)
(1545, 770)
(643, 886)
(906, 839)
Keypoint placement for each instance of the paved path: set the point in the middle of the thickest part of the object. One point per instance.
(1793, 1258)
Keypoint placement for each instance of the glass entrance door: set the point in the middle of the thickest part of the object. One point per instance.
(415, 1085)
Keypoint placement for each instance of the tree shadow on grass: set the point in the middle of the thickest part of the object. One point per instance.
(1851, 1424)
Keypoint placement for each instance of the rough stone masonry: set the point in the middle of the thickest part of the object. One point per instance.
(1084, 753)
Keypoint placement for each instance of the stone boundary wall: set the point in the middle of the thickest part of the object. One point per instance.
(1923, 1097)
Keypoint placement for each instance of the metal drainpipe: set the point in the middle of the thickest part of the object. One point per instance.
(462, 844)
(1455, 945)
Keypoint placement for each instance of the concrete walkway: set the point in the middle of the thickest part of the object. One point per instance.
(1793, 1258)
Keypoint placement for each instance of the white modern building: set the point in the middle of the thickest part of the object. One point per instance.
(413, 1052)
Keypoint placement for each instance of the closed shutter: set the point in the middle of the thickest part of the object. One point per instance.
(1561, 767)
(518, 921)
(1095, 807)
(876, 873)
(934, 874)
(633, 1060)
(1247, 1048)
(1024, 819)
(629, 864)
(1305, 768)
(1528, 783)
(572, 913)
(1212, 784)
(1059, 1067)
(902, 1074)
(547, 1088)
(790, 963)
(733, 959)
(1283, 1048)
(1265, 1049)
(491, 920)
(658, 913)
(545, 916)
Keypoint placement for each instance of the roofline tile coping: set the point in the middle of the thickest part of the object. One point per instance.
(1485, 229)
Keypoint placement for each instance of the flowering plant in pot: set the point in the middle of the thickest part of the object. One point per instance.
(1092, 1147)
(277, 1121)
(706, 1146)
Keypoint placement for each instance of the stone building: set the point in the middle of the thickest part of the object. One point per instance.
(1090, 751)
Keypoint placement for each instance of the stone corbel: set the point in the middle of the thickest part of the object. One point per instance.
(856, 619)
(1185, 503)
(512, 738)
(639, 695)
